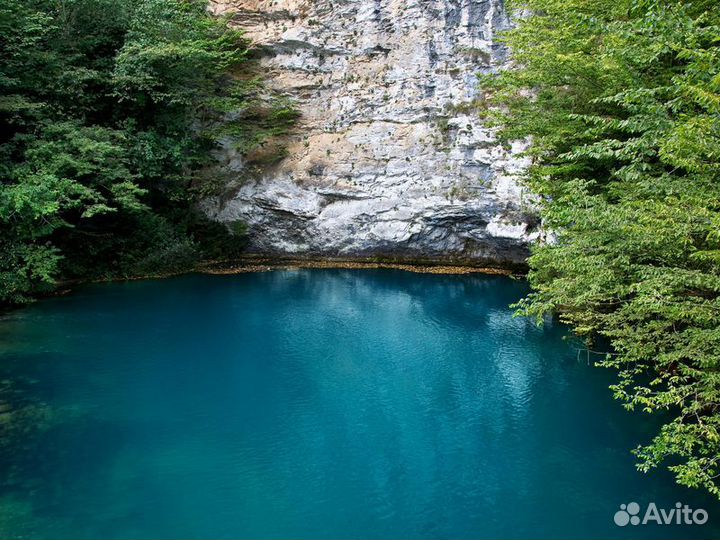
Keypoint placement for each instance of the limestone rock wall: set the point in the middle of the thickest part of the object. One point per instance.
(387, 159)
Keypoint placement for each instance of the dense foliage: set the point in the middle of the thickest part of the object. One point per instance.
(621, 101)
(110, 111)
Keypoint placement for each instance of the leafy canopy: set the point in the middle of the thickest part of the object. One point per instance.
(110, 111)
(621, 101)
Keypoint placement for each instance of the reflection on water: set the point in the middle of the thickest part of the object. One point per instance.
(318, 404)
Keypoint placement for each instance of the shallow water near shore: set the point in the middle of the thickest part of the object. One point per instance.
(317, 404)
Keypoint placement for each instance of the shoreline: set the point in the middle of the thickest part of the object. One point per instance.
(269, 263)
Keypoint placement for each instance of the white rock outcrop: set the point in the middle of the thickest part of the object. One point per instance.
(388, 158)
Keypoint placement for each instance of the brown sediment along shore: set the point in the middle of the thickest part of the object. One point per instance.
(266, 264)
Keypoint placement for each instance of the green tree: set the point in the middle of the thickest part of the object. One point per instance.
(110, 113)
(620, 101)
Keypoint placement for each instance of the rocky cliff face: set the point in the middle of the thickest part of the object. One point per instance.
(388, 158)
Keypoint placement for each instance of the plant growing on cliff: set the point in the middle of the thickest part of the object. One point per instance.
(621, 101)
(110, 111)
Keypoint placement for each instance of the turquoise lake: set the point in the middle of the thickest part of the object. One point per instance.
(318, 404)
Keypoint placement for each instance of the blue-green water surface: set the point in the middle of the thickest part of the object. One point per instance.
(318, 404)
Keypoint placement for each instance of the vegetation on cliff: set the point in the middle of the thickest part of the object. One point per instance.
(110, 113)
(621, 101)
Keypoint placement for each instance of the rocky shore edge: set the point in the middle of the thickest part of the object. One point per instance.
(423, 266)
